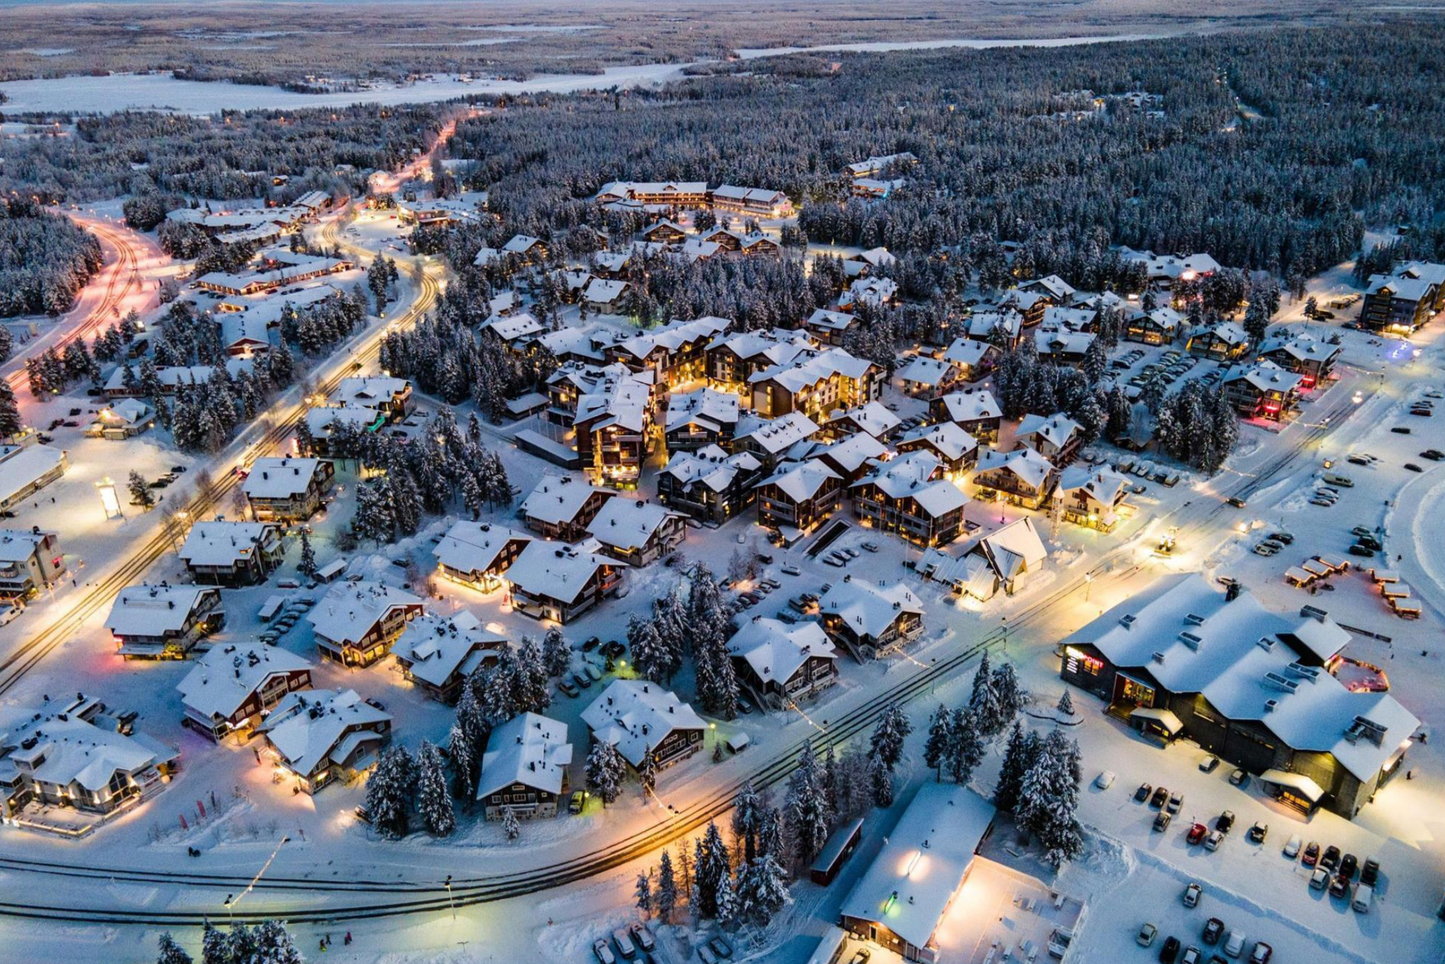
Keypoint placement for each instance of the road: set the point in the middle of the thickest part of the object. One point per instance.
(115, 289)
(302, 899)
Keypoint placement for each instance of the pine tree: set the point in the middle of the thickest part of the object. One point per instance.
(807, 807)
(140, 493)
(510, 825)
(556, 654)
(605, 770)
(1018, 758)
(940, 737)
(666, 888)
(390, 790)
(649, 656)
(888, 736)
(882, 778)
(1065, 705)
(762, 889)
(984, 700)
(307, 566)
(712, 873)
(966, 748)
(10, 421)
(643, 892)
(729, 908)
(771, 834)
(532, 694)
(647, 772)
(171, 952)
(214, 946)
(1009, 695)
(747, 820)
(433, 802)
(273, 945)
(1050, 799)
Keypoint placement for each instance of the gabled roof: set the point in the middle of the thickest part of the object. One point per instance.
(951, 441)
(558, 498)
(810, 368)
(1266, 377)
(523, 324)
(926, 370)
(628, 524)
(971, 406)
(280, 478)
(873, 418)
(1301, 347)
(475, 546)
(220, 543)
(1102, 485)
(1012, 549)
(710, 466)
(981, 324)
(1403, 287)
(775, 650)
(521, 244)
(915, 476)
(306, 727)
(778, 434)
(226, 677)
(556, 571)
(850, 453)
(1052, 284)
(869, 608)
(1231, 333)
(635, 715)
(438, 645)
(529, 749)
(801, 481)
(1057, 429)
(707, 407)
(154, 610)
(832, 320)
(968, 351)
(604, 291)
(348, 611)
(73, 749)
(1026, 464)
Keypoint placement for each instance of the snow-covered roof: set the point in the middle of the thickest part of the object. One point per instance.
(279, 478)
(810, 368)
(1166, 318)
(1171, 266)
(75, 750)
(778, 345)
(348, 611)
(556, 571)
(521, 244)
(1027, 465)
(970, 406)
(125, 411)
(869, 608)
(18, 545)
(710, 466)
(558, 498)
(779, 434)
(153, 610)
(1300, 347)
(851, 453)
(604, 291)
(620, 401)
(221, 543)
(877, 257)
(1052, 284)
(674, 335)
(226, 677)
(757, 194)
(510, 328)
(306, 727)
(1056, 429)
(873, 418)
(438, 645)
(926, 370)
(1061, 341)
(1266, 377)
(801, 481)
(474, 546)
(910, 883)
(981, 324)
(369, 391)
(696, 249)
(706, 406)
(20, 470)
(1239, 656)
(627, 524)
(174, 376)
(529, 749)
(776, 650)
(872, 289)
(914, 476)
(1011, 549)
(1103, 485)
(635, 715)
(486, 256)
(967, 351)
(1403, 287)
(1230, 332)
(832, 320)
(951, 441)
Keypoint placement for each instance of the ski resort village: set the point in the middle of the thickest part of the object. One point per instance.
(820, 506)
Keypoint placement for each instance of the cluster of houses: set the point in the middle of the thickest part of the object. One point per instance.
(661, 197)
(256, 226)
(1405, 300)
(272, 269)
(364, 403)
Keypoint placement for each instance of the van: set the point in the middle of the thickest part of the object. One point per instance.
(1334, 478)
(1364, 893)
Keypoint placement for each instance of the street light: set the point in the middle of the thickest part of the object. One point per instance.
(451, 902)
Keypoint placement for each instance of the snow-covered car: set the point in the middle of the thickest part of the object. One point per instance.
(643, 936)
(576, 802)
(1324, 502)
(1176, 802)
(1265, 549)
(1239, 777)
(1319, 878)
(1259, 831)
(1196, 833)
(1213, 930)
(603, 952)
(791, 569)
(1235, 945)
(1192, 892)
(1161, 821)
(720, 947)
(1213, 839)
(1104, 780)
(1261, 954)
(1146, 935)
(1192, 955)
(1209, 764)
(1292, 846)
(567, 688)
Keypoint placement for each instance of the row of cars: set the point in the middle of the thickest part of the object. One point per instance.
(1337, 872)
(635, 943)
(1214, 932)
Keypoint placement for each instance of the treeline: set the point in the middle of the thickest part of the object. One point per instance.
(233, 155)
(45, 259)
(1345, 129)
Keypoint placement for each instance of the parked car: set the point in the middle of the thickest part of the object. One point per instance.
(1339, 886)
(1412, 467)
(791, 569)
(1234, 946)
(861, 956)
(1311, 854)
(720, 947)
(1213, 930)
(1370, 542)
(567, 688)
(1239, 777)
(625, 947)
(1319, 878)
(1236, 501)
(1285, 537)
(1360, 903)
(1161, 797)
(576, 801)
(643, 936)
(582, 679)
(1349, 866)
(1192, 892)
(1176, 801)
(1192, 955)
(1292, 846)
(1357, 549)
(1169, 952)
(1331, 858)
(1224, 821)
(1261, 954)
(1401, 430)
(1142, 794)
(1196, 833)
(1213, 839)
(1434, 455)
(603, 952)
(1161, 821)
(1259, 831)
(1146, 934)
(705, 954)
(1104, 780)
(1370, 871)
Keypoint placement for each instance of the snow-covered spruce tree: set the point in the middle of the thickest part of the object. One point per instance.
(307, 565)
(556, 654)
(881, 776)
(10, 421)
(1018, 757)
(390, 792)
(214, 946)
(374, 518)
(649, 656)
(1010, 695)
(940, 735)
(722, 695)
(666, 888)
(807, 808)
(605, 771)
(532, 695)
(647, 773)
(747, 819)
(468, 739)
(1049, 799)
(712, 871)
(643, 892)
(273, 945)
(1065, 706)
(433, 802)
(888, 736)
(510, 825)
(984, 700)
(171, 952)
(669, 615)
(140, 493)
(965, 750)
(762, 889)
(729, 908)
(498, 694)
(771, 835)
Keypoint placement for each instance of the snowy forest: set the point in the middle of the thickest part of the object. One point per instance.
(44, 259)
